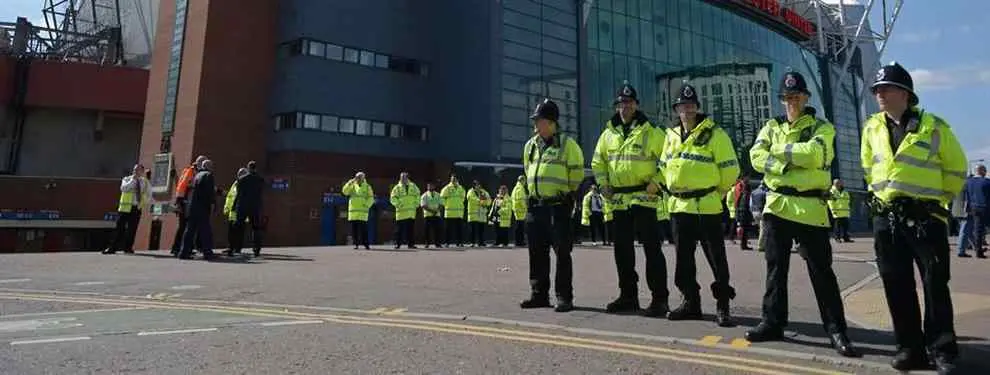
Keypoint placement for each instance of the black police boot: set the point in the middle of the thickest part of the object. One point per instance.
(627, 302)
(722, 316)
(536, 301)
(945, 364)
(842, 345)
(690, 309)
(908, 359)
(764, 332)
(564, 305)
(658, 308)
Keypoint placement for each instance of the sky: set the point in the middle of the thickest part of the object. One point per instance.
(945, 44)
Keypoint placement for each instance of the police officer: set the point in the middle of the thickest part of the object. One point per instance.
(838, 205)
(625, 167)
(405, 198)
(794, 152)
(554, 167)
(914, 167)
(700, 166)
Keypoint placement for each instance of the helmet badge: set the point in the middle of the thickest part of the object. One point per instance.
(688, 92)
(627, 91)
(790, 81)
(882, 74)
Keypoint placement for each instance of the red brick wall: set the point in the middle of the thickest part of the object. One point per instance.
(56, 84)
(6, 79)
(76, 198)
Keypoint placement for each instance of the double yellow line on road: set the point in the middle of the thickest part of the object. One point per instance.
(734, 362)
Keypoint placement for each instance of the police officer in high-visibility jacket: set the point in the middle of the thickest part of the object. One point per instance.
(625, 167)
(838, 205)
(914, 167)
(135, 195)
(231, 215)
(405, 198)
(794, 152)
(554, 167)
(478, 204)
(593, 213)
(519, 197)
(453, 211)
(699, 165)
(360, 198)
(431, 202)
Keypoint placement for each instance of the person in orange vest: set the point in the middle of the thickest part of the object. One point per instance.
(181, 193)
(135, 193)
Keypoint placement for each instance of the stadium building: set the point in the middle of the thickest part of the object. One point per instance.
(317, 90)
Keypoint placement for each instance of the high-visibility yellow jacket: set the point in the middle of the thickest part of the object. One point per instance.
(503, 205)
(928, 164)
(838, 202)
(607, 210)
(552, 169)
(478, 202)
(704, 159)
(796, 156)
(431, 200)
(629, 160)
(663, 207)
(135, 193)
(453, 201)
(519, 204)
(405, 199)
(360, 197)
(228, 203)
(586, 207)
(728, 203)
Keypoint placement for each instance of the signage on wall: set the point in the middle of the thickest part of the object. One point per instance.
(280, 183)
(773, 8)
(8, 214)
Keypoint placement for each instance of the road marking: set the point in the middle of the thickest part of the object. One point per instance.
(186, 287)
(163, 296)
(290, 323)
(395, 311)
(83, 283)
(378, 310)
(708, 359)
(739, 343)
(71, 312)
(10, 281)
(46, 341)
(710, 340)
(194, 330)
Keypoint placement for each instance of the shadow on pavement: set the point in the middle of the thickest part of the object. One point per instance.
(283, 257)
(381, 250)
(601, 310)
(219, 257)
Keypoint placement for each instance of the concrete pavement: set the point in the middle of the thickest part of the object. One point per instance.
(337, 310)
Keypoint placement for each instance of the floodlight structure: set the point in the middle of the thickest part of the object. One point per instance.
(73, 30)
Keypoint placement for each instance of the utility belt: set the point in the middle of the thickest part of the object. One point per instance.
(630, 189)
(691, 194)
(547, 201)
(909, 213)
(787, 190)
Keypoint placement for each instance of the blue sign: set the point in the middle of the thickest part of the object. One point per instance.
(30, 215)
(280, 183)
(333, 199)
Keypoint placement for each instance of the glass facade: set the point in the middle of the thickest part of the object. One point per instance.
(734, 63)
(540, 58)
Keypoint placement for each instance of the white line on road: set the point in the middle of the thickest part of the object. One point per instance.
(81, 283)
(152, 333)
(46, 341)
(9, 281)
(186, 287)
(73, 312)
(290, 323)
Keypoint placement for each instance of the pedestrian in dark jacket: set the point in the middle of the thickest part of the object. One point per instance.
(247, 205)
(200, 206)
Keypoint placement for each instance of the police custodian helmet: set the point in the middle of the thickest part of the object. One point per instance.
(794, 83)
(687, 95)
(894, 74)
(626, 92)
(547, 109)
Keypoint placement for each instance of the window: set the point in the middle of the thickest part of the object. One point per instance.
(367, 58)
(381, 61)
(335, 52)
(315, 48)
(351, 55)
(311, 121)
(378, 129)
(347, 125)
(329, 123)
(362, 127)
(395, 130)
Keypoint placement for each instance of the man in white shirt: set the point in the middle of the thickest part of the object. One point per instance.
(135, 193)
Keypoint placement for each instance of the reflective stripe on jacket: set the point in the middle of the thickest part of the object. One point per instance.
(704, 159)
(552, 169)
(629, 160)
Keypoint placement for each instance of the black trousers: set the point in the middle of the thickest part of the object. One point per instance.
(898, 249)
(455, 231)
(404, 233)
(610, 231)
(501, 235)
(842, 228)
(627, 223)
(433, 229)
(520, 232)
(359, 232)
(690, 230)
(816, 250)
(240, 225)
(180, 230)
(199, 231)
(550, 226)
(478, 233)
(125, 229)
(597, 226)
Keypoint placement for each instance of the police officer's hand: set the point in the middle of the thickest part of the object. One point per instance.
(607, 192)
(652, 188)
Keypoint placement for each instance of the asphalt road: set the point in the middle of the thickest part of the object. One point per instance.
(337, 310)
